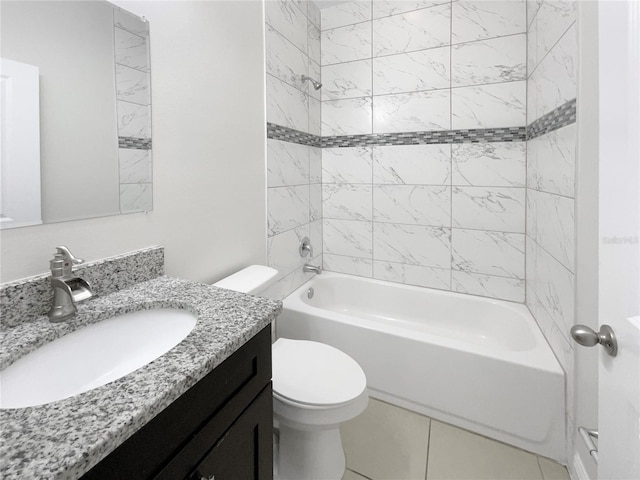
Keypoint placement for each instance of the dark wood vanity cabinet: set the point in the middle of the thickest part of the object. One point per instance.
(220, 429)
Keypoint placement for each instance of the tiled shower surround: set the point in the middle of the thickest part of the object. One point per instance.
(551, 166)
(440, 215)
(405, 196)
(402, 175)
(294, 194)
(448, 216)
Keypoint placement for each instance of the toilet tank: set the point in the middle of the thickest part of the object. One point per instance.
(252, 280)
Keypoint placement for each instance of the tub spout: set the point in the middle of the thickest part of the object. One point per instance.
(308, 268)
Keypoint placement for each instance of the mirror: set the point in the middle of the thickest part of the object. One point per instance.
(76, 112)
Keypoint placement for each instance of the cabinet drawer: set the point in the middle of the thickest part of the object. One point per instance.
(235, 382)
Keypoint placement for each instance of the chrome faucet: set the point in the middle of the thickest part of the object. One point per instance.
(306, 249)
(68, 290)
(308, 268)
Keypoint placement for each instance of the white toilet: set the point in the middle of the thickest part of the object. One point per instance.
(315, 388)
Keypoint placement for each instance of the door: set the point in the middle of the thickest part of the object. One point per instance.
(619, 279)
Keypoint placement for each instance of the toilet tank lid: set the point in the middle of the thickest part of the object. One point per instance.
(252, 279)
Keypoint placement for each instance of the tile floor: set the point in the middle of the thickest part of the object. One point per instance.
(390, 443)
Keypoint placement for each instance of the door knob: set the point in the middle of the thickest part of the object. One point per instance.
(587, 337)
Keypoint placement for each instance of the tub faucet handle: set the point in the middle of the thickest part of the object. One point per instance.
(306, 248)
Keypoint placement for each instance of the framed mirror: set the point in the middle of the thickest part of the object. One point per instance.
(76, 112)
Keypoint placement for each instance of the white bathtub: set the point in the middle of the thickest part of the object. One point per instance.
(477, 363)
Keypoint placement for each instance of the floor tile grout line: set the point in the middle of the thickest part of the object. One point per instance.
(539, 467)
(538, 473)
(426, 468)
(359, 474)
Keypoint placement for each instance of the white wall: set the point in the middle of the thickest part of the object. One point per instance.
(209, 147)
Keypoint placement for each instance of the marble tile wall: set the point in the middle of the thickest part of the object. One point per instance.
(424, 65)
(442, 216)
(551, 166)
(133, 99)
(294, 191)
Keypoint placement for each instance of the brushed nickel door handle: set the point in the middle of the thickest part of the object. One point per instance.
(588, 337)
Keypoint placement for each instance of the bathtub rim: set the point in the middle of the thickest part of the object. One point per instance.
(540, 357)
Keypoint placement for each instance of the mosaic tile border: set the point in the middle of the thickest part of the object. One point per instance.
(134, 143)
(560, 117)
(286, 134)
(507, 134)
(28, 298)
(484, 135)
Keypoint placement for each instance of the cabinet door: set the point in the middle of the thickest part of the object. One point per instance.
(171, 444)
(245, 451)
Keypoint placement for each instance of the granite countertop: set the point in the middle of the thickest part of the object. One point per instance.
(64, 439)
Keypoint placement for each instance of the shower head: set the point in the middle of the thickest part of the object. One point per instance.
(315, 84)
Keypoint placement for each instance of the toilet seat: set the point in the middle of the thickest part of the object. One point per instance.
(312, 374)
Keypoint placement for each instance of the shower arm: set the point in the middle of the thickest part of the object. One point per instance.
(317, 85)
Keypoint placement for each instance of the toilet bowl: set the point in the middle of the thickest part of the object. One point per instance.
(316, 387)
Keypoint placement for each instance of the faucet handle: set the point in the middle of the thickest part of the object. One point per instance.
(306, 248)
(68, 256)
(62, 263)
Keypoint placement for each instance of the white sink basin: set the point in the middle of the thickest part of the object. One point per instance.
(92, 356)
